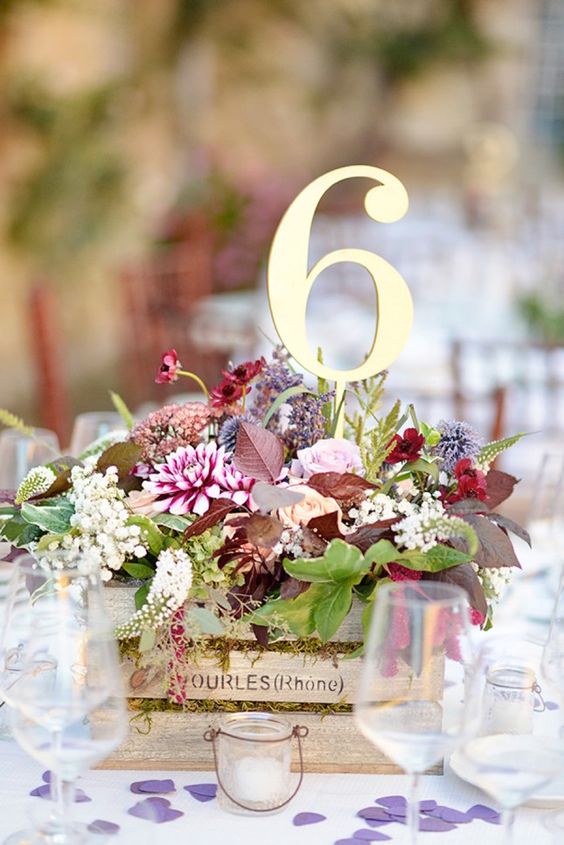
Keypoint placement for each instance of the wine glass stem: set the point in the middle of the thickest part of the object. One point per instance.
(62, 793)
(508, 819)
(413, 807)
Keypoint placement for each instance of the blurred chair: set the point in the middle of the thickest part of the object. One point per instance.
(160, 296)
(52, 389)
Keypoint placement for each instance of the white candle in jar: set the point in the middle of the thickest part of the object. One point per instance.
(260, 779)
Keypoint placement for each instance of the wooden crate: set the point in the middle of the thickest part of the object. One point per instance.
(334, 744)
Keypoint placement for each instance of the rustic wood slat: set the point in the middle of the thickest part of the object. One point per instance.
(274, 676)
(176, 742)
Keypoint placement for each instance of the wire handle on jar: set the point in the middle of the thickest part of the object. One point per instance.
(298, 731)
(540, 704)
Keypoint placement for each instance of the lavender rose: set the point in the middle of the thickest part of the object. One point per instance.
(329, 455)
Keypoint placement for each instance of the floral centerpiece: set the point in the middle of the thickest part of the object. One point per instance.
(244, 513)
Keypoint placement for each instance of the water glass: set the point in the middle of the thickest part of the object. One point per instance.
(21, 452)
(93, 426)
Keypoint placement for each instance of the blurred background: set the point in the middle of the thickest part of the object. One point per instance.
(148, 150)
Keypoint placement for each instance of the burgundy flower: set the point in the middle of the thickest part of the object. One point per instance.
(226, 393)
(476, 618)
(471, 482)
(168, 371)
(244, 373)
(407, 446)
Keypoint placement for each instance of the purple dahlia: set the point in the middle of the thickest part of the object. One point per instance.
(191, 477)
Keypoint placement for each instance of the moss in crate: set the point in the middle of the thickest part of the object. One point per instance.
(220, 648)
(145, 707)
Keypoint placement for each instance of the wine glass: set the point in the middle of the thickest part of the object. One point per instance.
(21, 452)
(93, 426)
(419, 633)
(519, 750)
(546, 514)
(60, 676)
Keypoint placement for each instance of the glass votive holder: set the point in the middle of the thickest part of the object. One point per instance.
(253, 757)
(511, 696)
(554, 823)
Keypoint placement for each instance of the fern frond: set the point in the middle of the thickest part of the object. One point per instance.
(490, 451)
(12, 421)
(122, 410)
(376, 446)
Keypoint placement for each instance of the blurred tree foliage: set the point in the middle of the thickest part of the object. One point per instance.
(76, 184)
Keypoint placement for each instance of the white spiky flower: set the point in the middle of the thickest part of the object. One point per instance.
(37, 481)
(169, 590)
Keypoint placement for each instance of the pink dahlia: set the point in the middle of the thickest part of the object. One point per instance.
(190, 478)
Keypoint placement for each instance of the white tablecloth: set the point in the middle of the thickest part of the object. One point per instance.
(338, 797)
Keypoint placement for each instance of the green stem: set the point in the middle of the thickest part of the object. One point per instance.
(195, 378)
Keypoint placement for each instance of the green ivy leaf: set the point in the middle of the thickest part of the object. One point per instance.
(53, 518)
(331, 609)
(141, 595)
(19, 533)
(341, 562)
(206, 621)
(176, 523)
(150, 534)
(138, 570)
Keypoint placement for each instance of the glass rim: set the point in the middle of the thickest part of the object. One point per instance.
(235, 719)
(417, 588)
(28, 563)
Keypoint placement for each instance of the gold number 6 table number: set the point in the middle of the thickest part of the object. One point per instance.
(290, 280)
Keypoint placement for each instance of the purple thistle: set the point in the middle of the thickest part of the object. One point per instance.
(276, 377)
(306, 424)
(458, 440)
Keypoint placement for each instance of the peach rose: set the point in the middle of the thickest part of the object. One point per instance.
(142, 503)
(313, 504)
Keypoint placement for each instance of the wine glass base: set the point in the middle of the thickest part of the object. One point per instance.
(76, 834)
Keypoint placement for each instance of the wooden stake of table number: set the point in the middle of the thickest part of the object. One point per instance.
(290, 281)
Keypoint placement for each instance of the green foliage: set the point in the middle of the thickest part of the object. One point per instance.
(490, 451)
(340, 562)
(53, 517)
(369, 394)
(205, 621)
(138, 570)
(150, 534)
(12, 421)
(18, 532)
(205, 572)
(375, 445)
(122, 410)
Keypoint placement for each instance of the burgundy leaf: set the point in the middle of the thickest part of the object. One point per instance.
(217, 511)
(122, 456)
(308, 818)
(259, 453)
(495, 548)
(268, 497)
(467, 506)
(500, 487)
(8, 497)
(510, 525)
(326, 526)
(343, 486)
(263, 530)
(465, 577)
(367, 535)
(261, 634)
(292, 588)
(101, 826)
(61, 484)
(312, 544)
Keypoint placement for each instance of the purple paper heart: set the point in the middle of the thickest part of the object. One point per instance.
(46, 776)
(44, 791)
(377, 822)
(156, 810)
(101, 826)
(366, 835)
(551, 705)
(392, 802)
(450, 814)
(160, 787)
(426, 806)
(376, 813)
(202, 791)
(308, 818)
(485, 813)
(346, 842)
(435, 825)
